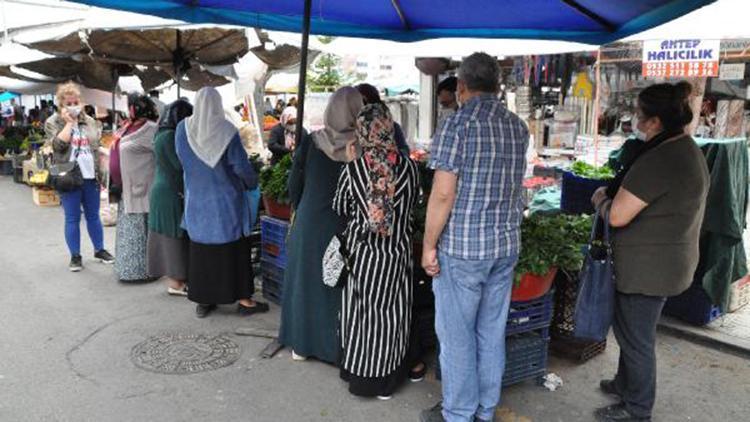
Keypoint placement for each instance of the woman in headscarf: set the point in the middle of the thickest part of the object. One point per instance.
(136, 153)
(167, 243)
(217, 172)
(309, 312)
(282, 139)
(376, 194)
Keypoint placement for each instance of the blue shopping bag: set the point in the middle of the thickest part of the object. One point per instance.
(595, 303)
(253, 200)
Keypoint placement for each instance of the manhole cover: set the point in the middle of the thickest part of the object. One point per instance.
(184, 353)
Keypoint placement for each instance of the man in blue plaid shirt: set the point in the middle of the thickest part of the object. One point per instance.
(472, 240)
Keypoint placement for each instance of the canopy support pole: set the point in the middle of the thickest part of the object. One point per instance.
(116, 77)
(302, 85)
(401, 15)
(597, 104)
(178, 63)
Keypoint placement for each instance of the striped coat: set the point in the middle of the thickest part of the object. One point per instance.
(377, 298)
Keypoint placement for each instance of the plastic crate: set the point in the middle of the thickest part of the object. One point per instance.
(530, 315)
(576, 350)
(693, 306)
(272, 277)
(525, 357)
(577, 192)
(273, 233)
(6, 167)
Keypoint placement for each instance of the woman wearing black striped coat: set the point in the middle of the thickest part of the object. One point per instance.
(376, 194)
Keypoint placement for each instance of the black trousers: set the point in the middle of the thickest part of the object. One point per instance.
(635, 330)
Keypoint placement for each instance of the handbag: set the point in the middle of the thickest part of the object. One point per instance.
(595, 304)
(66, 177)
(336, 262)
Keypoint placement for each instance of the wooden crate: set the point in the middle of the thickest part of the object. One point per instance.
(45, 197)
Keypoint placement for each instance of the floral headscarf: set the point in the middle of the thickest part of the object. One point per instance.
(376, 136)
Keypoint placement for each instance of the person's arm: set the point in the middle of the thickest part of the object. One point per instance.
(56, 136)
(296, 181)
(401, 143)
(240, 163)
(446, 160)
(624, 208)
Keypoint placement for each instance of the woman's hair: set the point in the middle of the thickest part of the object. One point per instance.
(68, 88)
(669, 102)
(175, 113)
(369, 93)
(143, 107)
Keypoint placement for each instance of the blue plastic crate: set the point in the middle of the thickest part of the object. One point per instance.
(273, 233)
(272, 277)
(530, 315)
(693, 306)
(576, 193)
(525, 357)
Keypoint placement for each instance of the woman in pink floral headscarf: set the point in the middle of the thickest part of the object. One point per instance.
(376, 194)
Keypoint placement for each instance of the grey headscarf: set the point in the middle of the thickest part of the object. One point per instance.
(340, 120)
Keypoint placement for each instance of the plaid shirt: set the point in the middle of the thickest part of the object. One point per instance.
(485, 146)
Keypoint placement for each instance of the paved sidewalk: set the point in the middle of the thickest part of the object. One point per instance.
(66, 341)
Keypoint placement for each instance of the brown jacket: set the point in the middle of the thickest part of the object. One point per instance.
(61, 149)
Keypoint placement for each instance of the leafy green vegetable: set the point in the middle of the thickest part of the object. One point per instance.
(273, 180)
(583, 169)
(552, 241)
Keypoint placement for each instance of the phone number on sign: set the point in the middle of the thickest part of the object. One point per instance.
(686, 69)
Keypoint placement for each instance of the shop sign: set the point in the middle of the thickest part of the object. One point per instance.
(732, 71)
(681, 58)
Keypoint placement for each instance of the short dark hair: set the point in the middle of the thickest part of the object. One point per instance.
(143, 106)
(448, 84)
(369, 93)
(153, 93)
(480, 72)
(669, 102)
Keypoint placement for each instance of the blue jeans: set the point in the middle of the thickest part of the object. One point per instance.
(88, 196)
(471, 309)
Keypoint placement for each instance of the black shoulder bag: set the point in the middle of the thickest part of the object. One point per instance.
(66, 177)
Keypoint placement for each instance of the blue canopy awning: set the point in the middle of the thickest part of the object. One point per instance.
(586, 21)
(7, 95)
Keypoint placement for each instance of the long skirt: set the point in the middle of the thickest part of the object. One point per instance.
(130, 246)
(167, 256)
(220, 274)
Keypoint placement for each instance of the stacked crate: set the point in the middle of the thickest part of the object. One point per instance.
(526, 340)
(273, 233)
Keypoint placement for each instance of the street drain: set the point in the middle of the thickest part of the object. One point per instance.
(184, 353)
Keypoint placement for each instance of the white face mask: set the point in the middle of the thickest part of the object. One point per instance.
(637, 132)
(74, 111)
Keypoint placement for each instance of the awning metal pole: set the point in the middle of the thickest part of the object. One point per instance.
(302, 85)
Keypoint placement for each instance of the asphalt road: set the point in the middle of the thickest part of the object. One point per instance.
(66, 341)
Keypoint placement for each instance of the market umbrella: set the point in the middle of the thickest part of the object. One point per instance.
(85, 71)
(181, 52)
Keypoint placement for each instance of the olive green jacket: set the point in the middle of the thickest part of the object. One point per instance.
(61, 149)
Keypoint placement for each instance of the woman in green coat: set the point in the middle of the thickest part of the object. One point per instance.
(310, 309)
(167, 243)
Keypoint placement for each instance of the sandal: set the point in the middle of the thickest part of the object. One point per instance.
(177, 292)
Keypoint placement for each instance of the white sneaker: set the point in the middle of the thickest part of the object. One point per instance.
(384, 398)
(298, 358)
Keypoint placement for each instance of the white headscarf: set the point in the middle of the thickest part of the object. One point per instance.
(340, 119)
(208, 130)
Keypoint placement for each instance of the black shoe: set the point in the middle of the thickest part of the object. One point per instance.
(608, 387)
(432, 415)
(104, 256)
(76, 263)
(202, 311)
(259, 308)
(617, 413)
(417, 376)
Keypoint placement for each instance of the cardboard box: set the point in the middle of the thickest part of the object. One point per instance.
(45, 197)
(740, 294)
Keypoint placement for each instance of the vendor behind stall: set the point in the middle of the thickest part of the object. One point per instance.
(282, 140)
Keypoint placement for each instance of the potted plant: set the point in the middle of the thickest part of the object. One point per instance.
(548, 243)
(273, 187)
